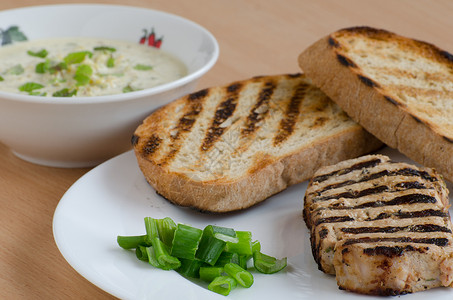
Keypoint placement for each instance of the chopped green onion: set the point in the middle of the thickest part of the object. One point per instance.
(152, 259)
(208, 274)
(151, 229)
(243, 245)
(185, 241)
(83, 74)
(76, 57)
(268, 264)
(165, 260)
(128, 89)
(141, 253)
(30, 86)
(104, 48)
(190, 268)
(131, 242)
(65, 93)
(58, 67)
(42, 67)
(42, 53)
(210, 246)
(227, 257)
(1, 78)
(242, 276)
(222, 285)
(110, 62)
(166, 228)
(141, 67)
(16, 70)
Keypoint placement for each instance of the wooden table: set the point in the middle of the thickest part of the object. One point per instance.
(256, 37)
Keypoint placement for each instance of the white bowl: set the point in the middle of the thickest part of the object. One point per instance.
(85, 131)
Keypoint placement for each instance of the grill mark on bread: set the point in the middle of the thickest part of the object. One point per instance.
(184, 125)
(394, 229)
(391, 100)
(441, 242)
(345, 61)
(450, 140)
(255, 115)
(286, 127)
(358, 166)
(152, 144)
(368, 81)
(333, 42)
(224, 110)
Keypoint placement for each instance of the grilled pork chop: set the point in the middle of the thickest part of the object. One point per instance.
(381, 227)
(229, 147)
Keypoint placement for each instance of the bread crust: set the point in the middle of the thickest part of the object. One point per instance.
(369, 104)
(269, 179)
(268, 176)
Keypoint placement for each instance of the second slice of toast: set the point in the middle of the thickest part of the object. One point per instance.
(397, 88)
(227, 148)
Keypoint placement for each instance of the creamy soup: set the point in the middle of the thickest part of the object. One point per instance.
(84, 67)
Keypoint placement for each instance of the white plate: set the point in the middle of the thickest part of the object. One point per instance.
(113, 199)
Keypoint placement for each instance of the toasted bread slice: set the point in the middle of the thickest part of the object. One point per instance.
(397, 88)
(227, 148)
(382, 227)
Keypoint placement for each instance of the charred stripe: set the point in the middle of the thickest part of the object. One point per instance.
(256, 115)
(401, 172)
(224, 110)
(358, 166)
(393, 229)
(441, 242)
(288, 122)
(392, 251)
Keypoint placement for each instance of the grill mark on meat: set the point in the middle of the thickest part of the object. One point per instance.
(358, 166)
(401, 172)
(336, 219)
(401, 200)
(373, 191)
(398, 214)
(224, 110)
(441, 242)
(412, 214)
(393, 229)
(256, 115)
(392, 251)
(286, 127)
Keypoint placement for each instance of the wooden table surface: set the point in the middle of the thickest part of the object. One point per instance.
(256, 37)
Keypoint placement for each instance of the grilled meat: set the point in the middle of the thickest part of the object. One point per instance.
(380, 226)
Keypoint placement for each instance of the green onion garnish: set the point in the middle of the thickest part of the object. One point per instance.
(166, 261)
(267, 264)
(83, 74)
(242, 276)
(42, 53)
(132, 242)
(104, 48)
(65, 93)
(1, 78)
(141, 67)
(76, 57)
(190, 268)
(185, 241)
(216, 255)
(222, 285)
(110, 62)
(208, 274)
(243, 245)
(30, 86)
